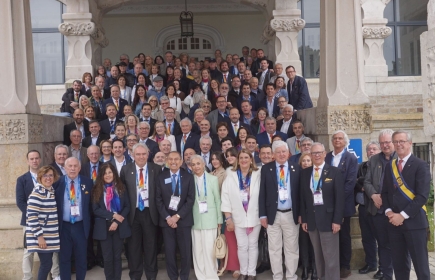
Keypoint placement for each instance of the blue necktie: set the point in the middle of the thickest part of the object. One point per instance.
(174, 183)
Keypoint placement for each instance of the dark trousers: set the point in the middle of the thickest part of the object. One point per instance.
(45, 266)
(112, 250)
(306, 251)
(182, 236)
(142, 246)
(345, 243)
(72, 239)
(407, 243)
(379, 225)
(367, 236)
(92, 257)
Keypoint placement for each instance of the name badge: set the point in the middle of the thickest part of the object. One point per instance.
(244, 196)
(173, 204)
(203, 207)
(75, 211)
(318, 198)
(283, 194)
(144, 195)
(168, 180)
(112, 136)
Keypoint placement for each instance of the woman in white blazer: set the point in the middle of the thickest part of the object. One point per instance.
(240, 206)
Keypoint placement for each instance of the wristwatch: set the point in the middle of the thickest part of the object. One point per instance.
(178, 216)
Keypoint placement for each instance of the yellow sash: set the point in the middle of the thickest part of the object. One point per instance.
(401, 184)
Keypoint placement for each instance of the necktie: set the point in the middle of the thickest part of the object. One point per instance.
(72, 199)
(298, 147)
(94, 173)
(316, 177)
(400, 165)
(271, 136)
(183, 143)
(236, 129)
(76, 97)
(111, 123)
(141, 187)
(205, 159)
(117, 105)
(184, 138)
(169, 128)
(241, 77)
(281, 179)
(174, 183)
(225, 78)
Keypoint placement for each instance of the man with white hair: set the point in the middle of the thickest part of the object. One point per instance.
(99, 82)
(158, 89)
(279, 210)
(187, 139)
(285, 125)
(73, 199)
(348, 164)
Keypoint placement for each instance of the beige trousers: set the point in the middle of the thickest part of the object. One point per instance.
(204, 262)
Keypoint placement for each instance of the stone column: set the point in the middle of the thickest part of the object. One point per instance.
(287, 23)
(22, 128)
(374, 33)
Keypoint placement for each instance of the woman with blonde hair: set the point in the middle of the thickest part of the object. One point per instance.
(155, 106)
(84, 102)
(240, 194)
(131, 123)
(160, 133)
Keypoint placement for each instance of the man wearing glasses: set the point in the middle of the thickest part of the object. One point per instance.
(322, 209)
(297, 90)
(161, 115)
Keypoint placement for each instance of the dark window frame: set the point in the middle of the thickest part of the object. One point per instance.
(307, 25)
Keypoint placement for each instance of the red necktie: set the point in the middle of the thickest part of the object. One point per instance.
(271, 136)
(400, 165)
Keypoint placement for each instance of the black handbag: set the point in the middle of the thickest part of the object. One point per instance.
(263, 247)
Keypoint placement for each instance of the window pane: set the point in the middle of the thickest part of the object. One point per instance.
(389, 12)
(390, 53)
(311, 60)
(408, 50)
(45, 13)
(48, 54)
(311, 11)
(415, 10)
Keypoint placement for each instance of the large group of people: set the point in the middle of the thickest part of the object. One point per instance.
(176, 151)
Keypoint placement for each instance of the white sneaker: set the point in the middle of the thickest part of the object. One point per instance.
(57, 278)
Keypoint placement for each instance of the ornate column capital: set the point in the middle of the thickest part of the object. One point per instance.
(376, 32)
(77, 28)
(287, 24)
(100, 37)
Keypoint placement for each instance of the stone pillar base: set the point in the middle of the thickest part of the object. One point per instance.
(20, 133)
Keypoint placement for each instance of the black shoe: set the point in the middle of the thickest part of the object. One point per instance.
(344, 273)
(90, 266)
(379, 275)
(262, 268)
(314, 274)
(366, 269)
(304, 275)
(100, 263)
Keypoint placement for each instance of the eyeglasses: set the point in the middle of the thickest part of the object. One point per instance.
(206, 106)
(316, 153)
(106, 147)
(131, 140)
(153, 101)
(47, 176)
(385, 143)
(401, 142)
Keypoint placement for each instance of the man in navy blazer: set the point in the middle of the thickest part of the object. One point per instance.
(248, 95)
(279, 210)
(117, 100)
(236, 124)
(348, 165)
(176, 219)
(407, 228)
(270, 102)
(74, 218)
(108, 125)
(266, 137)
(187, 139)
(297, 90)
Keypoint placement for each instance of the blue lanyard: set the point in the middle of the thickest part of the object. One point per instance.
(247, 180)
(146, 178)
(287, 179)
(319, 186)
(34, 179)
(77, 188)
(205, 188)
(179, 186)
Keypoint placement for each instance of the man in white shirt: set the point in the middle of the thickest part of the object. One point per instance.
(264, 75)
(294, 143)
(96, 137)
(119, 159)
(285, 125)
(205, 143)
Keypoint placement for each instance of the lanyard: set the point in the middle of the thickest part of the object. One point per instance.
(34, 179)
(179, 186)
(205, 188)
(287, 179)
(146, 178)
(319, 186)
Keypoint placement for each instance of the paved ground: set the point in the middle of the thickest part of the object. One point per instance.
(97, 273)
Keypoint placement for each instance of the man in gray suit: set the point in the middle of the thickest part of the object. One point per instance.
(139, 177)
(221, 114)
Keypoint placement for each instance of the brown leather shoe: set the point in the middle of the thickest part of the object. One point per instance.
(344, 273)
(250, 277)
(242, 277)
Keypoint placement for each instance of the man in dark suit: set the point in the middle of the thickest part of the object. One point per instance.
(74, 215)
(256, 64)
(259, 93)
(406, 211)
(285, 125)
(108, 125)
(115, 99)
(60, 155)
(174, 200)
(235, 91)
(247, 95)
(153, 147)
(71, 97)
(306, 144)
(171, 124)
(146, 117)
(348, 165)
(264, 75)
(95, 137)
(205, 143)
(266, 137)
(322, 207)
(251, 146)
(80, 123)
(187, 139)
(226, 75)
(236, 124)
(270, 102)
(279, 210)
(297, 90)
(105, 92)
(75, 149)
(113, 79)
(218, 115)
(214, 72)
(143, 217)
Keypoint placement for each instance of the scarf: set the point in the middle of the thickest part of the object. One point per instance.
(245, 185)
(113, 203)
(261, 127)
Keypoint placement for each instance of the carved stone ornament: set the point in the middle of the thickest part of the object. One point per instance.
(35, 130)
(100, 38)
(339, 120)
(322, 122)
(376, 32)
(13, 130)
(267, 34)
(287, 24)
(77, 28)
(360, 121)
